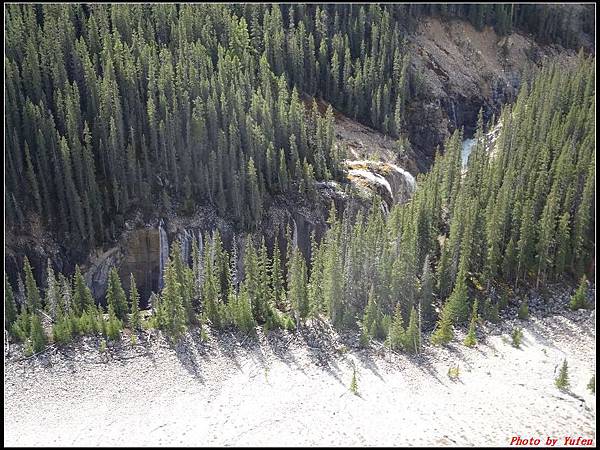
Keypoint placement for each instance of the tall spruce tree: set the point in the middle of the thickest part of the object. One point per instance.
(115, 295)
(413, 334)
(10, 307)
(171, 312)
(82, 295)
(134, 305)
(396, 335)
(33, 301)
(298, 294)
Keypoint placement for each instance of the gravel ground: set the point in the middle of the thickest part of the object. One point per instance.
(293, 389)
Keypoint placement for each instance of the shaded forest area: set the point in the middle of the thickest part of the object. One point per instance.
(113, 109)
(116, 109)
(519, 215)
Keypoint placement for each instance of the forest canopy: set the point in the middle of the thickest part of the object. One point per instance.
(118, 108)
(113, 108)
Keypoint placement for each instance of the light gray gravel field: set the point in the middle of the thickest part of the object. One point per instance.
(293, 389)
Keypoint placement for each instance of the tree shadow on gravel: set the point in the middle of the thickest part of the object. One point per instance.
(368, 358)
(260, 348)
(280, 343)
(240, 348)
(424, 364)
(562, 326)
(537, 334)
(319, 339)
(457, 350)
(189, 350)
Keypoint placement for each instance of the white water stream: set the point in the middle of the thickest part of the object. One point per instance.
(374, 177)
(467, 147)
(164, 253)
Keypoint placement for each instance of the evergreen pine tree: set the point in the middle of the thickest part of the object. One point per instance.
(426, 291)
(211, 292)
(371, 317)
(82, 295)
(297, 293)
(562, 381)
(491, 311)
(592, 384)
(62, 328)
(242, 312)
(396, 335)
(38, 336)
(32, 294)
(278, 291)
(354, 382)
(171, 311)
(53, 295)
(134, 305)
(443, 332)
(413, 335)
(517, 337)
(114, 325)
(115, 295)
(578, 300)
(457, 303)
(523, 312)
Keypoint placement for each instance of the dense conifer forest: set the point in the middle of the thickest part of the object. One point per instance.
(115, 109)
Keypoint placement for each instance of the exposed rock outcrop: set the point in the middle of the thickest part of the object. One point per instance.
(458, 71)
(39, 246)
(139, 249)
(394, 184)
(96, 272)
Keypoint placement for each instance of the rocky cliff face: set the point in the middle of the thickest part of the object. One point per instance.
(393, 183)
(97, 270)
(139, 249)
(39, 246)
(458, 71)
(141, 258)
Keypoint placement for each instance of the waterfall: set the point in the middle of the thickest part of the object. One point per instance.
(164, 253)
(200, 244)
(407, 176)
(183, 245)
(200, 262)
(384, 208)
(398, 182)
(211, 246)
(295, 235)
(186, 241)
(374, 177)
(467, 146)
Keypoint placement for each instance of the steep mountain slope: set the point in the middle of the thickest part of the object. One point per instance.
(456, 70)
(461, 70)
